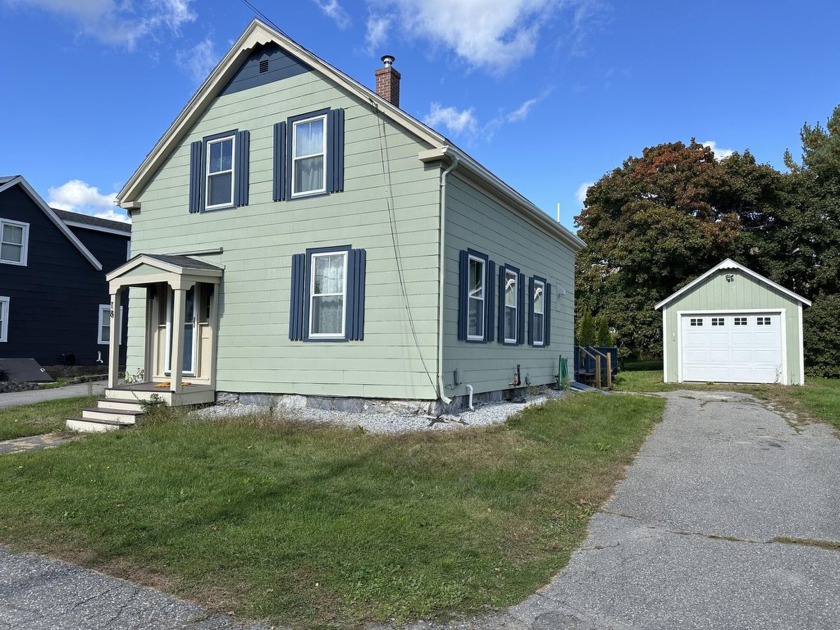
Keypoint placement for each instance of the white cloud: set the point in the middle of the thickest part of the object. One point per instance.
(335, 11)
(119, 22)
(199, 60)
(720, 154)
(457, 122)
(495, 35)
(376, 32)
(78, 196)
(580, 193)
(521, 113)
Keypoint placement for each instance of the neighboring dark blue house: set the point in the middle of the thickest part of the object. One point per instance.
(54, 301)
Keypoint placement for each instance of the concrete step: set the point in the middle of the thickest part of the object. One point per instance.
(116, 403)
(123, 416)
(85, 425)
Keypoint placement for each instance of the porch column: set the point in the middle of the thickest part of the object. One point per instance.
(176, 366)
(114, 340)
(214, 333)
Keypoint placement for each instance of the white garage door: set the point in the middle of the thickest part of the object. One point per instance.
(731, 348)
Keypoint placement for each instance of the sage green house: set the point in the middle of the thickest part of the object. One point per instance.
(732, 325)
(298, 233)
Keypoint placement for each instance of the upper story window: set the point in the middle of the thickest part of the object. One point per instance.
(219, 184)
(4, 319)
(220, 171)
(14, 240)
(309, 156)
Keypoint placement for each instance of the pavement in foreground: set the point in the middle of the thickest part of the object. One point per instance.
(690, 540)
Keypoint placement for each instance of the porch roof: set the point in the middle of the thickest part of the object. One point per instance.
(172, 269)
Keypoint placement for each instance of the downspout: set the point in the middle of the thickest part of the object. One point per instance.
(441, 260)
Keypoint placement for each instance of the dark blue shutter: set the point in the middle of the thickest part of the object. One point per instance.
(356, 295)
(243, 177)
(335, 150)
(502, 304)
(491, 301)
(279, 161)
(520, 337)
(531, 311)
(463, 281)
(547, 316)
(196, 175)
(297, 299)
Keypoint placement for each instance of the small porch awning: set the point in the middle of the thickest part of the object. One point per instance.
(181, 273)
(177, 271)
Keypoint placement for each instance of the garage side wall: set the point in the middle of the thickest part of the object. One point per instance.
(741, 293)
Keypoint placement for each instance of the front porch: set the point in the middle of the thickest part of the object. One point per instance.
(150, 392)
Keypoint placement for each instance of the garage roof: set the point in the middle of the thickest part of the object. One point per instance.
(731, 264)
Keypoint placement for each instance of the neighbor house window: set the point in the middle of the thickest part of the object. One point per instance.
(220, 172)
(328, 295)
(14, 239)
(4, 319)
(538, 317)
(309, 156)
(105, 325)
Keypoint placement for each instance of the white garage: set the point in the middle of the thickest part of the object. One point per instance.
(732, 325)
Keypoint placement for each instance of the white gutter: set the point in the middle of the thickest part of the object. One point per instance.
(441, 262)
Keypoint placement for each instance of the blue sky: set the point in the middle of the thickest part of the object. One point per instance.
(548, 94)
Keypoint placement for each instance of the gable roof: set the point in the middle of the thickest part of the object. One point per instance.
(18, 180)
(168, 264)
(85, 221)
(731, 264)
(259, 33)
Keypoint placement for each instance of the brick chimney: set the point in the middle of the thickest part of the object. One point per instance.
(388, 81)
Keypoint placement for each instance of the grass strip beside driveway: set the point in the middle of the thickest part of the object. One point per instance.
(42, 417)
(322, 526)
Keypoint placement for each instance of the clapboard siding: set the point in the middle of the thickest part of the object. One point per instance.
(476, 220)
(259, 240)
(55, 298)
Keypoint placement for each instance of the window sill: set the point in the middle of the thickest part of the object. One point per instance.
(12, 262)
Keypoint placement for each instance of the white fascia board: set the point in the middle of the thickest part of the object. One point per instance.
(731, 264)
(257, 33)
(52, 216)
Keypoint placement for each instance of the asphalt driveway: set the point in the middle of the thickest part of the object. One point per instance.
(14, 399)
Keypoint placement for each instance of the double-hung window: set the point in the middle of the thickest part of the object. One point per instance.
(14, 238)
(476, 297)
(538, 315)
(220, 171)
(104, 328)
(4, 319)
(328, 295)
(219, 185)
(309, 156)
(512, 301)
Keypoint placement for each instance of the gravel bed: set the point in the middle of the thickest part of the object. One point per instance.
(377, 422)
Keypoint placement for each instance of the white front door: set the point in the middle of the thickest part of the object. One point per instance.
(188, 367)
(731, 348)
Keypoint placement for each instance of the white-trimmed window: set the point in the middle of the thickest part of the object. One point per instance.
(220, 172)
(740, 321)
(309, 156)
(696, 321)
(538, 320)
(762, 321)
(511, 313)
(476, 298)
(14, 241)
(4, 319)
(104, 328)
(717, 321)
(327, 295)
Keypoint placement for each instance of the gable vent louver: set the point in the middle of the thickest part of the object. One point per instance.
(263, 66)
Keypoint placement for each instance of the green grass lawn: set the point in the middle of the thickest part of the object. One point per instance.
(43, 417)
(322, 526)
